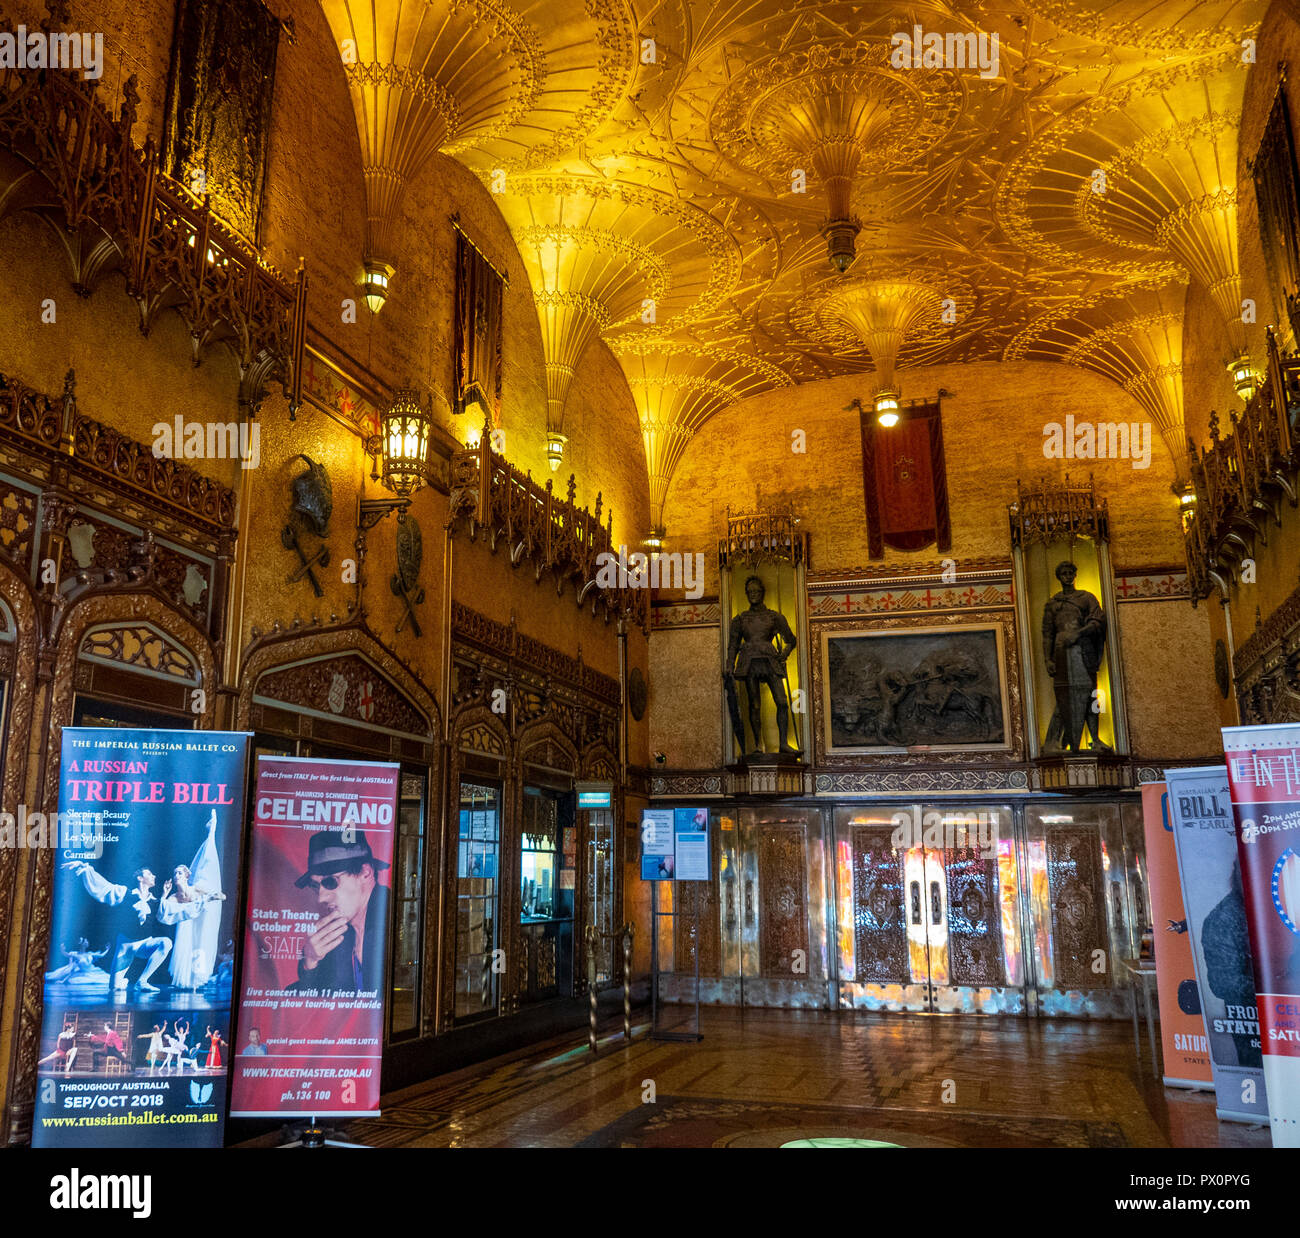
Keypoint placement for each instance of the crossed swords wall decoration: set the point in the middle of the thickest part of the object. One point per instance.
(311, 506)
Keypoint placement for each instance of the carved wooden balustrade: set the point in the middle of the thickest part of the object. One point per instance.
(552, 533)
(1241, 479)
(50, 428)
(64, 156)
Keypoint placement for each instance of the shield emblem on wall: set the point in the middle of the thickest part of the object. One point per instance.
(338, 695)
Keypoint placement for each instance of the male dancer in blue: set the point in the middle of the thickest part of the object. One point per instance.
(153, 950)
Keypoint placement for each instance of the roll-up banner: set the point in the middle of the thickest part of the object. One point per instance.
(311, 1015)
(1264, 768)
(1200, 807)
(134, 1041)
(1182, 1029)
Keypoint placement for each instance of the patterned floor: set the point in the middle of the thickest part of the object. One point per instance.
(764, 1078)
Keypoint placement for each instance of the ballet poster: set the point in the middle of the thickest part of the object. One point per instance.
(1264, 769)
(311, 1015)
(134, 1048)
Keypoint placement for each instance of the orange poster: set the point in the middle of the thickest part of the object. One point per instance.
(1182, 1029)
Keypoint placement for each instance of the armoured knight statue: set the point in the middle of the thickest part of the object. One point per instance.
(1074, 636)
(760, 643)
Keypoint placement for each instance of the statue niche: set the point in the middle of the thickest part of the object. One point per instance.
(759, 645)
(1074, 640)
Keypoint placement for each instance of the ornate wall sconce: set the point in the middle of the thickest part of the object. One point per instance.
(402, 444)
(400, 454)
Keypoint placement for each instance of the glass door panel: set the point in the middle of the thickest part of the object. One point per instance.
(929, 908)
(478, 845)
(598, 832)
(408, 894)
(1080, 908)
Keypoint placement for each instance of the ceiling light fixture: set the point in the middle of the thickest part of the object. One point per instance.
(555, 449)
(374, 288)
(1243, 377)
(886, 404)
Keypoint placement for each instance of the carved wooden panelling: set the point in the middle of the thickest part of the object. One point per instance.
(347, 686)
(974, 919)
(482, 738)
(1075, 885)
(142, 648)
(17, 525)
(782, 897)
(879, 918)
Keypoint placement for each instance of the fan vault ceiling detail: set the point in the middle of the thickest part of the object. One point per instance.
(675, 174)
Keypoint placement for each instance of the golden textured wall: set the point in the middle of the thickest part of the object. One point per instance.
(686, 697)
(1173, 703)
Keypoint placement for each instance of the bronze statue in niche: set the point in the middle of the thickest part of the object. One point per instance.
(759, 645)
(1074, 638)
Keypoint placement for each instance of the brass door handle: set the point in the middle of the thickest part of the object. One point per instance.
(936, 904)
(916, 902)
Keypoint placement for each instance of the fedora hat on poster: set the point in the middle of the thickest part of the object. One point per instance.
(330, 852)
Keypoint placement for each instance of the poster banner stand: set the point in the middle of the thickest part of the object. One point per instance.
(658, 1031)
(313, 1135)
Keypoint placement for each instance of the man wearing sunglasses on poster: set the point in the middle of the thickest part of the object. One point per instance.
(344, 952)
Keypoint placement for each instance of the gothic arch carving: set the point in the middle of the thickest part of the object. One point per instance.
(278, 651)
(543, 743)
(481, 730)
(599, 764)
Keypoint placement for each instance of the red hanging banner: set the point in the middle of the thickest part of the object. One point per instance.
(905, 481)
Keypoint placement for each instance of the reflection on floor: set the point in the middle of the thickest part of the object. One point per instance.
(769, 1077)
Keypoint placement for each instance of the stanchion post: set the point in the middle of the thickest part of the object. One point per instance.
(628, 930)
(592, 947)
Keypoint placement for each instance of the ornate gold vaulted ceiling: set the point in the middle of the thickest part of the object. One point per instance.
(679, 176)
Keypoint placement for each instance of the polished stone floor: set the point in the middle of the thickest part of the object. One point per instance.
(763, 1078)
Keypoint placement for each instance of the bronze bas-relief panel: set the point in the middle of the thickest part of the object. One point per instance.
(934, 688)
(1012, 749)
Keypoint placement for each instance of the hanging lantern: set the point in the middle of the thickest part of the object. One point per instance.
(404, 438)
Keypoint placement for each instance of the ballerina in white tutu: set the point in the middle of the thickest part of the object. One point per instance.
(191, 901)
